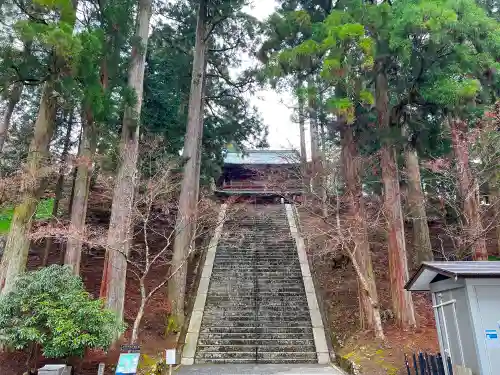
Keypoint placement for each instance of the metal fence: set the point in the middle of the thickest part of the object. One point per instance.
(427, 364)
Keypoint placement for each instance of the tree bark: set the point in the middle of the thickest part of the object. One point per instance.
(140, 313)
(59, 187)
(15, 96)
(468, 191)
(398, 265)
(302, 131)
(315, 151)
(322, 162)
(357, 224)
(495, 202)
(119, 234)
(416, 201)
(81, 193)
(17, 246)
(188, 196)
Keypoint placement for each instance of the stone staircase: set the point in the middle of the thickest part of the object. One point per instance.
(256, 309)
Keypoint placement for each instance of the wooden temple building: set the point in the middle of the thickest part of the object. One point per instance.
(261, 173)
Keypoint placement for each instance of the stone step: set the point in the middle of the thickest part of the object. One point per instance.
(258, 269)
(252, 294)
(254, 361)
(234, 288)
(257, 356)
(204, 336)
(260, 323)
(256, 263)
(250, 275)
(254, 247)
(256, 283)
(258, 348)
(261, 258)
(259, 311)
(256, 309)
(274, 317)
(249, 278)
(267, 342)
(302, 307)
(253, 256)
(263, 299)
(262, 330)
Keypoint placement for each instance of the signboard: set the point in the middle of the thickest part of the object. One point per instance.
(170, 356)
(492, 341)
(491, 334)
(130, 348)
(127, 363)
(100, 370)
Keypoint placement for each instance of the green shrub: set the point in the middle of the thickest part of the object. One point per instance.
(51, 308)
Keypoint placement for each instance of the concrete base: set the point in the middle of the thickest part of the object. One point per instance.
(312, 301)
(201, 296)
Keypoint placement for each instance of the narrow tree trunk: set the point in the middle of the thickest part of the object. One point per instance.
(15, 96)
(357, 223)
(188, 196)
(315, 151)
(398, 265)
(468, 191)
(495, 203)
(302, 132)
(323, 176)
(416, 201)
(140, 313)
(119, 234)
(73, 180)
(17, 246)
(59, 187)
(364, 284)
(81, 193)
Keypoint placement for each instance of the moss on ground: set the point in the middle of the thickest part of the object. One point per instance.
(43, 211)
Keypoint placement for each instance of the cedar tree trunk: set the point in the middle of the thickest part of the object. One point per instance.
(468, 191)
(357, 223)
(78, 213)
(302, 131)
(59, 186)
(190, 179)
(398, 265)
(17, 245)
(315, 151)
(416, 201)
(119, 234)
(14, 97)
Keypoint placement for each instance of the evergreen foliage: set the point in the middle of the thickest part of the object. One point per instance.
(51, 308)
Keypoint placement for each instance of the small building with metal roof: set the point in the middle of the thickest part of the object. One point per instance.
(466, 303)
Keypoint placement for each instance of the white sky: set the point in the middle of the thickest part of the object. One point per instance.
(274, 107)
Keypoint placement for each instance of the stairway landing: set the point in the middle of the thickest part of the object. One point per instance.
(269, 369)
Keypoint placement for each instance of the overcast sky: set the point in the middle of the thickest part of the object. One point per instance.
(274, 107)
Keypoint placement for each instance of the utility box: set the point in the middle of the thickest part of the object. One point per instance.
(466, 302)
(55, 370)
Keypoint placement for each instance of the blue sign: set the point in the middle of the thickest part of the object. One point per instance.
(491, 334)
(127, 363)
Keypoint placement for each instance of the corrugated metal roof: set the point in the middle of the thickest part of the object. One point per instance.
(263, 157)
(421, 280)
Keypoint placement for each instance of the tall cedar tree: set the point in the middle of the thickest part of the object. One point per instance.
(120, 226)
(17, 246)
